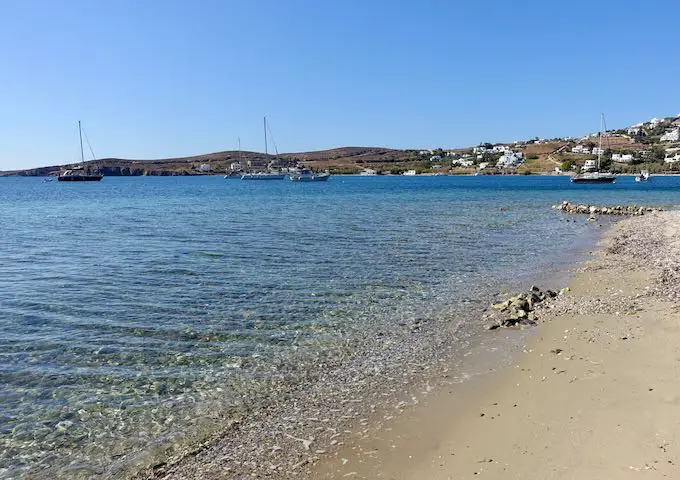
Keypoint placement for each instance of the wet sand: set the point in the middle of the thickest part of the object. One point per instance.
(594, 393)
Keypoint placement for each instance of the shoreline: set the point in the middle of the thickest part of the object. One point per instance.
(408, 431)
(591, 395)
(307, 424)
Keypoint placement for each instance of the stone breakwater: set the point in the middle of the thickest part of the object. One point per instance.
(583, 209)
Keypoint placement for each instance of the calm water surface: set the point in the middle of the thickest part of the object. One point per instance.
(139, 313)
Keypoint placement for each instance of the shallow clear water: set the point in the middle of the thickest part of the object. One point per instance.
(141, 312)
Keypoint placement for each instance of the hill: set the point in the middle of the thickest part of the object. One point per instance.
(337, 159)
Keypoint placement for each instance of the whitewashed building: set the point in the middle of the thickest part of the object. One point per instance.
(671, 136)
(597, 151)
(589, 166)
(672, 158)
(580, 149)
(204, 168)
(622, 157)
(510, 159)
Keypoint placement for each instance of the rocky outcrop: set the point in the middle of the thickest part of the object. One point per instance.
(584, 209)
(518, 310)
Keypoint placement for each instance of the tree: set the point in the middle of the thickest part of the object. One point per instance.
(566, 165)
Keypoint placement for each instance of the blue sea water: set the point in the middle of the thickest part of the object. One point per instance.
(142, 311)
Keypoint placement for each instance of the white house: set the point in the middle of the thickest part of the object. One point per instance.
(410, 173)
(204, 168)
(636, 131)
(500, 149)
(480, 150)
(235, 166)
(672, 159)
(671, 135)
(435, 158)
(597, 151)
(655, 121)
(589, 166)
(581, 149)
(622, 157)
(425, 152)
(510, 159)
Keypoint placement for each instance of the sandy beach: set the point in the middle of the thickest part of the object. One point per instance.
(593, 395)
(589, 393)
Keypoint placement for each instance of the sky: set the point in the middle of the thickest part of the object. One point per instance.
(156, 79)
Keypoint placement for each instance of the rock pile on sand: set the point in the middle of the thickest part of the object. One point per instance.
(583, 209)
(518, 310)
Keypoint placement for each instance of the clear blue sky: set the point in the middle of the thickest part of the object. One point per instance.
(152, 79)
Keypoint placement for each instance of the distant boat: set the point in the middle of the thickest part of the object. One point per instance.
(308, 176)
(643, 177)
(367, 172)
(268, 175)
(263, 176)
(78, 174)
(589, 176)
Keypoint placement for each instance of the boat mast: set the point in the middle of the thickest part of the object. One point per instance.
(599, 147)
(265, 136)
(80, 133)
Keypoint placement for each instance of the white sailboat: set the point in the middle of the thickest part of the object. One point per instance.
(589, 176)
(268, 175)
(79, 173)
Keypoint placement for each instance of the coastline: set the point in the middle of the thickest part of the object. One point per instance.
(447, 417)
(593, 393)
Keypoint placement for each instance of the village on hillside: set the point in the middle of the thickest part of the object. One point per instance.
(652, 145)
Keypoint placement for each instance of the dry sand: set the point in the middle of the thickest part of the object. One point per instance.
(593, 394)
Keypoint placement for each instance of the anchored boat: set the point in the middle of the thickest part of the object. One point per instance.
(309, 176)
(590, 173)
(79, 174)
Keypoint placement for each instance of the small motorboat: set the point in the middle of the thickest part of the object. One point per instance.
(308, 176)
(643, 177)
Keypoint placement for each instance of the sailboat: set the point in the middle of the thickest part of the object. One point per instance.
(589, 176)
(268, 175)
(78, 174)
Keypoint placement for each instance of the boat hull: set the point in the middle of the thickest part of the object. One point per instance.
(80, 178)
(594, 180)
(262, 177)
(309, 178)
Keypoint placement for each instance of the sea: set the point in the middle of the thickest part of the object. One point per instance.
(142, 312)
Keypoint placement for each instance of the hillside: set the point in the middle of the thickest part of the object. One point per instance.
(346, 158)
